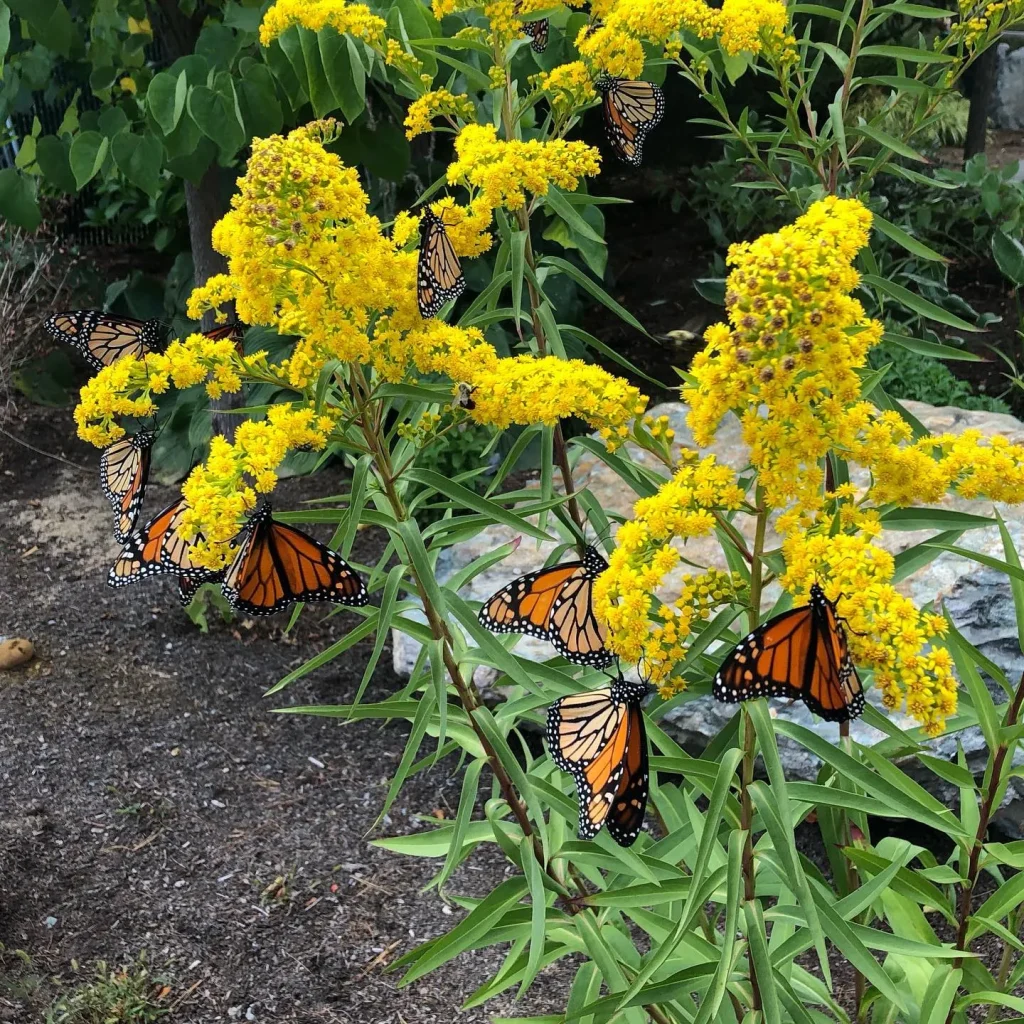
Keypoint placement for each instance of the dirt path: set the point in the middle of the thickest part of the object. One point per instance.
(150, 802)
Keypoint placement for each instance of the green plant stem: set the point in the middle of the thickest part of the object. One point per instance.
(844, 100)
(994, 774)
(468, 695)
(852, 877)
(1006, 958)
(750, 736)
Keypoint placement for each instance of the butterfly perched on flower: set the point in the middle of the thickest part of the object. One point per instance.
(124, 470)
(599, 737)
(557, 605)
(102, 338)
(438, 271)
(276, 565)
(233, 331)
(160, 547)
(631, 110)
(801, 654)
(536, 30)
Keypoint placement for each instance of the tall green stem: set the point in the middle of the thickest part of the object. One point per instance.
(995, 777)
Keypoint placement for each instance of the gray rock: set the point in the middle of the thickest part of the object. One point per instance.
(978, 598)
(1007, 104)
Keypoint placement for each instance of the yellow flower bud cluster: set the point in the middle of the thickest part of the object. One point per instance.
(569, 87)
(221, 491)
(883, 628)
(699, 598)
(437, 103)
(683, 507)
(126, 388)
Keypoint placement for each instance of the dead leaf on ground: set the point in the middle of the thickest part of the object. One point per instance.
(16, 651)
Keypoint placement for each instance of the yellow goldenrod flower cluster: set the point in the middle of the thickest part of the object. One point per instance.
(683, 507)
(305, 257)
(126, 387)
(355, 19)
(221, 492)
(437, 103)
(505, 18)
(699, 598)
(503, 171)
(569, 87)
(883, 628)
(615, 46)
(467, 227)
(786, 362)
(980, 22)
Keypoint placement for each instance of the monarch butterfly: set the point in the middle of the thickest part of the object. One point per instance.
(556, 605)
(631, 110)
(438, 271)
(159, 547)
(188, 586)
(599, 738)
(800, 654)
(536, 30)
(124, 469)
(234, 331)
(102, 338)
(276, 565)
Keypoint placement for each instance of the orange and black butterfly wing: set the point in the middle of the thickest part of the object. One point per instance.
(101, 338)
(769, 662)
(631, 110)
(832, 688)
(438, 271)
(277, 565)
(124, 470)
(575, 632)
(188, 586)
(234, 332)
(598, 737)
(626, 815)
(142, 553)
(554, 604)
(538, 32)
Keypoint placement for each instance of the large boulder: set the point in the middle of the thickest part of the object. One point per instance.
(978, 599)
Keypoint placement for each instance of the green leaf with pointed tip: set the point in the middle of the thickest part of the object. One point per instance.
(88, 151)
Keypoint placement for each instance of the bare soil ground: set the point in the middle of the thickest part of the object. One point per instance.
(151, 802)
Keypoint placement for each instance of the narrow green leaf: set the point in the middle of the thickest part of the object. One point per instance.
(593, 288)
(918, 304)
(906, 240)
(762, 962)
(939, 994)
(932, 349)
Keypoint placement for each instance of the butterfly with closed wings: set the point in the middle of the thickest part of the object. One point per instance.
(277, 565)
(438, 271)
(124, 470)
(103, 338)
(536, 30)
(631, 110)
(557, 605)
(599, 738)
(801, 654)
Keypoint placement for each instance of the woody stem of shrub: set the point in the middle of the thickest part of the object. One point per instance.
(994, 774)
(750, 737)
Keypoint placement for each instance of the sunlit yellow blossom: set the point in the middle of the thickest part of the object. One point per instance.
(354, 19)
(683, 507)
(616, 45)
(570, 87)
(505, 170)
(787, 361)
(467, 227)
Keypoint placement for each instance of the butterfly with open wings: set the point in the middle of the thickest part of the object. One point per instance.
(801, 654)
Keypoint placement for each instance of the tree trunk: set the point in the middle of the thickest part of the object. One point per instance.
(208, 201)
(982, 84)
